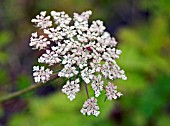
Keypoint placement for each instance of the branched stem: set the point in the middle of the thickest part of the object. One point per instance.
(23, 91)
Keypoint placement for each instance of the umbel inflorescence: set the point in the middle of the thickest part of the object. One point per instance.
(87, 54)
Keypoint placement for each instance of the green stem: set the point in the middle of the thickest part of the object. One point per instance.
(87, 92)
(23, 91)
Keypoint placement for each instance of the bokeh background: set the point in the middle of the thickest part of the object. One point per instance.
(142, 28)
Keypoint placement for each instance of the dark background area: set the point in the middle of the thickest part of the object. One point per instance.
(141, 27)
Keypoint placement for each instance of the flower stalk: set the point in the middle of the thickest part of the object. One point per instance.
(87, 92)
(26, 90)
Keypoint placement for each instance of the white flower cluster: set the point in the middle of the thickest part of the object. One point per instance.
(86, 52)
(38, 42)
(97, 85)
(90, 107)
(111, 92)
(41, 21)
(40, 74)
(71, 89)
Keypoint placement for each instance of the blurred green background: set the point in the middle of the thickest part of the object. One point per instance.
(142, 28)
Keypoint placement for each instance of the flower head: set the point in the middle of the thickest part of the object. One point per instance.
(97, 85)
(85, 52)
(50, 58)
(41, 74)
(111, 92)
(90, 107)
(87, 75)
(71, 89)
(41, 21)
(60, 18)
(38, 42)
(68, 71)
